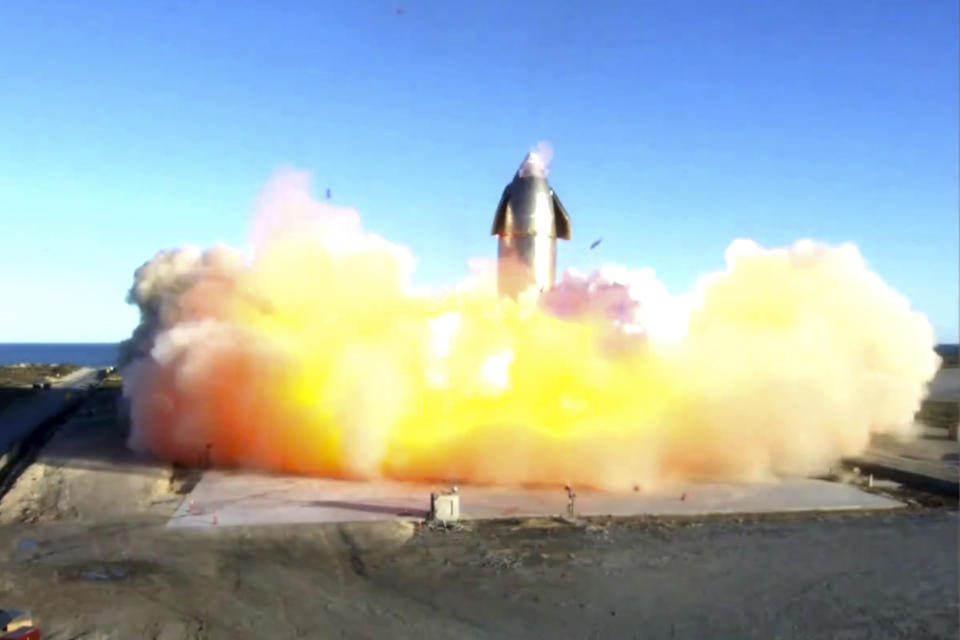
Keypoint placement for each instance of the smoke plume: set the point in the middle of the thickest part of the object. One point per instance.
(313, 355)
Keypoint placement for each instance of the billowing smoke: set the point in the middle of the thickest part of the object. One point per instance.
(634, 302)
(161, 289)
(313, 355)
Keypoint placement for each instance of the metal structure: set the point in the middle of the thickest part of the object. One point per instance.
(528, 221)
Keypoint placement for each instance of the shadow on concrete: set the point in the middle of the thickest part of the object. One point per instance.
(370, 508)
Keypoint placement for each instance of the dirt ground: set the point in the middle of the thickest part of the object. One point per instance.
(838, 576)
(83, 546)
(85, 473)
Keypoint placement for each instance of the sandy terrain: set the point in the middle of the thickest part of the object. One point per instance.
(86, 473)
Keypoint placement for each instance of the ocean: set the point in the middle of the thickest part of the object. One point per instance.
(104, 354)
(89, 354)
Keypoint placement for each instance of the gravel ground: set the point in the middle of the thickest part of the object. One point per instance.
(890, 575)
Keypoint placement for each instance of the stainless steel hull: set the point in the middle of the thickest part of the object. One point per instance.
(525, 262)
(528, 221)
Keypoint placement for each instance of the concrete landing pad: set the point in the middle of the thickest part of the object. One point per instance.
(225, 499)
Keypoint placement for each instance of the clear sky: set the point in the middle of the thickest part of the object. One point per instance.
(127, 127)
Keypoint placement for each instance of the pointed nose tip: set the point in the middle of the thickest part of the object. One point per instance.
(533, 158)
(532, 165)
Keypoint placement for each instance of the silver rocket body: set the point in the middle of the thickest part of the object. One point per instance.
(528, 221)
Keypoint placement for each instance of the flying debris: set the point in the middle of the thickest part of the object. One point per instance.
(529, 219)
(328, 194)
(595, 243)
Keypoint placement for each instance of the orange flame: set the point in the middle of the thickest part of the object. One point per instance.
(315, 357)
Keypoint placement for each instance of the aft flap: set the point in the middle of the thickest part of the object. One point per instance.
(562, 218)
(498, 217)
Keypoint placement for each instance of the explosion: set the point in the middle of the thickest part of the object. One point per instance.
(315, 355)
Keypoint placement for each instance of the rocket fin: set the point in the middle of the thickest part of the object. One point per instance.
(562, 220)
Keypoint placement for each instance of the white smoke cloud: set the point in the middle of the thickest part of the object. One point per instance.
(160, 284)
(311, 357)
(632, 300)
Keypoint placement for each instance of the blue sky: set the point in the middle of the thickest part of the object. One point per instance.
(677, 126)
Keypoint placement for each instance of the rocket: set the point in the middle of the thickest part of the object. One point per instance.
(528, 221)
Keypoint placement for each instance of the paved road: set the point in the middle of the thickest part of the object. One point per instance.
(79, 379)
(19, 419)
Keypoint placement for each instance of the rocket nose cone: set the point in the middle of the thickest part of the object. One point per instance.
(532, 165)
